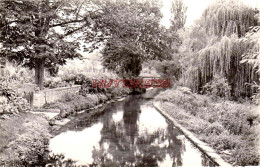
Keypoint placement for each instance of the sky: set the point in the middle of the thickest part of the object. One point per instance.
(195, 9)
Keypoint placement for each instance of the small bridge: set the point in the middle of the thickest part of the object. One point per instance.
(154, 81)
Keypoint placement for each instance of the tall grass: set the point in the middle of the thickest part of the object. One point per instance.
(225, 125)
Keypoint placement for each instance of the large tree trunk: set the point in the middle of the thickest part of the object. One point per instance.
(39, 72)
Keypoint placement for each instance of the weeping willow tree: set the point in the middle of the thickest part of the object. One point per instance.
(252, 56)
(224, 23)
(227, 17)
(223, 58)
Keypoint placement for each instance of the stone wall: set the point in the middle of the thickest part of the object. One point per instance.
(52, 95)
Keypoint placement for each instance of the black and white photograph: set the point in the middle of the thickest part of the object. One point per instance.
(129, 83)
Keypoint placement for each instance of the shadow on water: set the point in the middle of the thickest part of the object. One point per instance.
(129, 133)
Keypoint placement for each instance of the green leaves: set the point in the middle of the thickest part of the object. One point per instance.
(178, 18)
(28, 25)
(228, 17)
(133, 35)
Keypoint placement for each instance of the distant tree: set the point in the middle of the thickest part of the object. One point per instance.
(167, 68)
(28, 35)
(134, 35)
(178, 15)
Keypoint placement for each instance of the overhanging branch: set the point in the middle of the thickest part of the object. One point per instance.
(68, 22)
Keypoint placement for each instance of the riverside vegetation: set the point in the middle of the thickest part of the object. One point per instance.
(88, 96)
(217, 59)
(229, 127)
(24, 136)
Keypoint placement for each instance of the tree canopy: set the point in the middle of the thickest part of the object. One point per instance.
(216, 48)
(178, 15)
(136, 36)
(28, 32)
(130, 32)
(227, 17)
(30, 36)
(252, 55)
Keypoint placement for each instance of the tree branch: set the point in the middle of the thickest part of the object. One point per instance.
(72, 31)
(68, 22)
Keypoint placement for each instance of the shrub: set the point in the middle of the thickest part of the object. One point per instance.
(72, 103)
(246, 155)
(68, 97)
(214, 128)
(256, 96)
(198, 125)
(224, 141)
(55, 84)
(10, 100)
(234, 118)
(218, 87)
(26, 139)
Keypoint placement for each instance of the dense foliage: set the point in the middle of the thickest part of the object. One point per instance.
(28, 35)
(227, 17)
(252, 56)
(40, 33)
(178, 15)
(135, 36)
(213, 48)
(170, 69)
(24, 140)
(10, 101)
(225, 125)
(218, 87)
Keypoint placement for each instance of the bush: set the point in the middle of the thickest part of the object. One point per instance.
(246, 155)
(73, 103)
(224, 141)
(10, 100)
(256, 97)
(26, 140)
(88, 96)
(55, 84)
(214, 128)
(234, 122)
(218, 87)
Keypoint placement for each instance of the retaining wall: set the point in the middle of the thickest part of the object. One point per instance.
(52, 95)
(204, 147)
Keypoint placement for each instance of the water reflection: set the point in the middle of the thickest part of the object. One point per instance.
(130, 133)
(78, 145)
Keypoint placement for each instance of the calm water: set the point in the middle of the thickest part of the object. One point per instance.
(129, 133)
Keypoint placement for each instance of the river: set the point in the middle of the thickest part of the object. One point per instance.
(129, 133)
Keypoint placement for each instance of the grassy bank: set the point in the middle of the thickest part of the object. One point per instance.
(24, 140)
(229, 127)
(23, 136)
(86, 99)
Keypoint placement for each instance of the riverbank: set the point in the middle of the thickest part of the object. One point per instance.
(229, 127)
(59, 124)
(24, 140)
(24, 137)
(74, 104)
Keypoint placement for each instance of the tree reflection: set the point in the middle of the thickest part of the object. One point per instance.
(122, 145)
